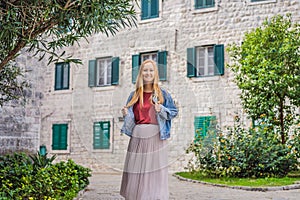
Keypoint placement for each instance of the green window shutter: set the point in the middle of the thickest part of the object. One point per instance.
(145, 9)
(191, 62)
(204, 124)
(198, 3)
(115, 71)
(210, 3)
(105, 137)
(135, 67)
(162, 65)
(200, 128)
(204, 3)
(59, 136)
(101, 135)
(66, 75)
(150, 9)
(219, 59)
(55, 136)
(97, 135)
(92, 73)
(62, 76)
(58, 76)
(63, 137)
(154, 8)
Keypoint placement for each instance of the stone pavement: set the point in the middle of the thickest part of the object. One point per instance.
(106, 187)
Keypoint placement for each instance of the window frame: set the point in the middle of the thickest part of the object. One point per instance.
(60, 86)
(204, 9)
(205, 6)
(107, 67)
(61, 151)
(207, 58)
(93, 72)
(111, 135)
(149, 9)
(218, 60)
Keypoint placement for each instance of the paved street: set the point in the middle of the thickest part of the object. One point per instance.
(106, 187)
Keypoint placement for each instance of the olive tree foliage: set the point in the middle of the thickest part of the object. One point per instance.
(266, 67)
(43, 27)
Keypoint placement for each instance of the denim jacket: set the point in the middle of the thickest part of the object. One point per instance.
(168, 112)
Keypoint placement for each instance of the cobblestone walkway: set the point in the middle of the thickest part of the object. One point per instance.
(106, 187)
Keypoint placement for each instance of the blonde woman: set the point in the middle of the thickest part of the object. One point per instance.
(148, 113)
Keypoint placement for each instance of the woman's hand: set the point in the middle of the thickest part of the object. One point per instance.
(157, 107)
(124, 111)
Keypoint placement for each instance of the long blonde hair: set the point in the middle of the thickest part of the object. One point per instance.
(139, 86)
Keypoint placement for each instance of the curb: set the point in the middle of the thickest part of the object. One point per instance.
(260, 189)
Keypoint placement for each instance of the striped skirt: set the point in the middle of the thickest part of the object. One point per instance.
(145, 175)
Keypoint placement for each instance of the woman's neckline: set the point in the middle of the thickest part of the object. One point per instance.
(148, 91)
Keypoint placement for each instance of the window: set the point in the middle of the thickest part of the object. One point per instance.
(160, 58)
(59, 136)
(62, 76)
(205, 61)
(204, 4)
(104, 72)
(101, 138)
(150, 9)
(205, 128)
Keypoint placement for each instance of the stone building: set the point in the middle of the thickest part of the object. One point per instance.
(74, 110)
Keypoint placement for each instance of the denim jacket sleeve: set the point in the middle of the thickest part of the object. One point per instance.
(168, 109)
(129, 121)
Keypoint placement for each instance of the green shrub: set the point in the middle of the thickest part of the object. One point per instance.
(36, 177)
(255, 152)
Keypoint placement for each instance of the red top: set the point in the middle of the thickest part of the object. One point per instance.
(145, 114)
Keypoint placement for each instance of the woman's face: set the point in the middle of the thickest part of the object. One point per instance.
(148, 73)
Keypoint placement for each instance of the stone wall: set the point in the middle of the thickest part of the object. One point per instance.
(20, 120)
(178, 28)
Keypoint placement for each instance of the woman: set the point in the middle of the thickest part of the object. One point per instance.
(148, 115)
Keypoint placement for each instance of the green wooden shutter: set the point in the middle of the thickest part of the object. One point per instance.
(92, 73)
(58, 76)
(219, 59)
(198, 3)
(162, 65)
(191, 62)
(97, 135)
(154, 8)
(210, 3)
(145, 9)
(101, 135)
(105, 137)
(65, 75)
(63, 145)
(202, 125)
(200, 128)
(204, 3)
(115, 71)
(60, 136)
(55, 136)
(135, 67)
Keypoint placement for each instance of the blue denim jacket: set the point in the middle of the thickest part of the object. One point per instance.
(168, 112)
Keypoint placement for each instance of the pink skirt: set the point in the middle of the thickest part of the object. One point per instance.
(145, 175)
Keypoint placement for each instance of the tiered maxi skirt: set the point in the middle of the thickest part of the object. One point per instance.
(145, 175)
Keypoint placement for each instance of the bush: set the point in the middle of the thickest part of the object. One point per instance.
(255, 152)
(35, 178)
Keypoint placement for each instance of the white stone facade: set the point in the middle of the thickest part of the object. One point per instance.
(178, 27)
